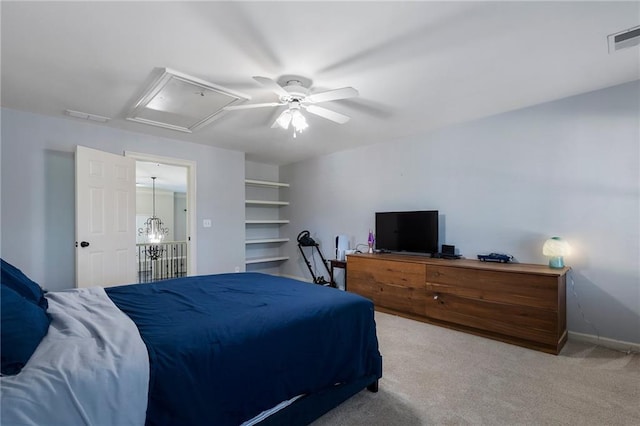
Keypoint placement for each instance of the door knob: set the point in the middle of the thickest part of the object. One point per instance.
(84, 244)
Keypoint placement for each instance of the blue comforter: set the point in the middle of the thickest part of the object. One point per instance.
(223, 348)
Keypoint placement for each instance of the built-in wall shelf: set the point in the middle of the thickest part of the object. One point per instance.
(267, 241)
(255, 182)
(266, 207)
(266, 203)
(265, 259)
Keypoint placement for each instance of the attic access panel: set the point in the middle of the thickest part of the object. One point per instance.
(180, 102)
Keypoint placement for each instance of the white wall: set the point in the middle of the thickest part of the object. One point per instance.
(38, 193)
(506, 183)
(180, 216)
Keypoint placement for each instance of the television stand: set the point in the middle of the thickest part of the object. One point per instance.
(515, 303)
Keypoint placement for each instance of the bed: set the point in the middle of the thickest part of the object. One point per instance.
(226, 349)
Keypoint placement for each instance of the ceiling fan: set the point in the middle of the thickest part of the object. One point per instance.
(293, 91)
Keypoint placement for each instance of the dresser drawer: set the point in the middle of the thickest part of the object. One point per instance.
(392, 285)
(514, 288)
(525, 322)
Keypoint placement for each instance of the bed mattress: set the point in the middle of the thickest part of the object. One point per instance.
(224, 348)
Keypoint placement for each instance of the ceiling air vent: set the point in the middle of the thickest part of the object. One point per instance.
(180, 102)
(624, 39)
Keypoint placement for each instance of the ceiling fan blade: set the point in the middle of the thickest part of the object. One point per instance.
(250, 106)
(327, 113)
(332, 95)
(270, 84)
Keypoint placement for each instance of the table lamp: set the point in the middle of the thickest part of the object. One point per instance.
(371, 240)
(556, 248)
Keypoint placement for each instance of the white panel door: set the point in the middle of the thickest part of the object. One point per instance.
(105, 218)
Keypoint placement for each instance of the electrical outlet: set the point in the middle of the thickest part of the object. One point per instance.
(206, 223)
(237, 269)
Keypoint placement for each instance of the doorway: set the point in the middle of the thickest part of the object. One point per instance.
(170, 197)
(161, 221)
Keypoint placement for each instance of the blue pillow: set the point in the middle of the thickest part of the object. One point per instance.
(21, 284)
(23, 326)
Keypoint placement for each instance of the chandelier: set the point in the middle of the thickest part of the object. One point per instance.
(154, 230)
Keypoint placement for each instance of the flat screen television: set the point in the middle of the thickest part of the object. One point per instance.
(411, 231)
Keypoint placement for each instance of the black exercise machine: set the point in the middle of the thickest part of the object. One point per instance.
(305, 240)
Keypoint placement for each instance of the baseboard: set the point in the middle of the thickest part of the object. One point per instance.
(618, 345)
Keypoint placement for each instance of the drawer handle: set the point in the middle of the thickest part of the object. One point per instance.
(435, 297)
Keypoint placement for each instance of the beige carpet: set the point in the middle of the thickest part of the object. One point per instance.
(437, 376)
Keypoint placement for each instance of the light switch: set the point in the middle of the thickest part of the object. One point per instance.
(206, 223)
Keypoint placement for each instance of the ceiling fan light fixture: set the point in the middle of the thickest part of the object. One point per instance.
(293, 116)
(284, 119)
(298, 121)
(294, 91)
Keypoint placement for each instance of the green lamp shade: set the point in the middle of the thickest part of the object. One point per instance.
(556, 248)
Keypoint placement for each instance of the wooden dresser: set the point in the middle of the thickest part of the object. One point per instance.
(515, 303)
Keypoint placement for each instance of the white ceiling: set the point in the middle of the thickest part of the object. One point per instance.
(168, 177)
(417, 65)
